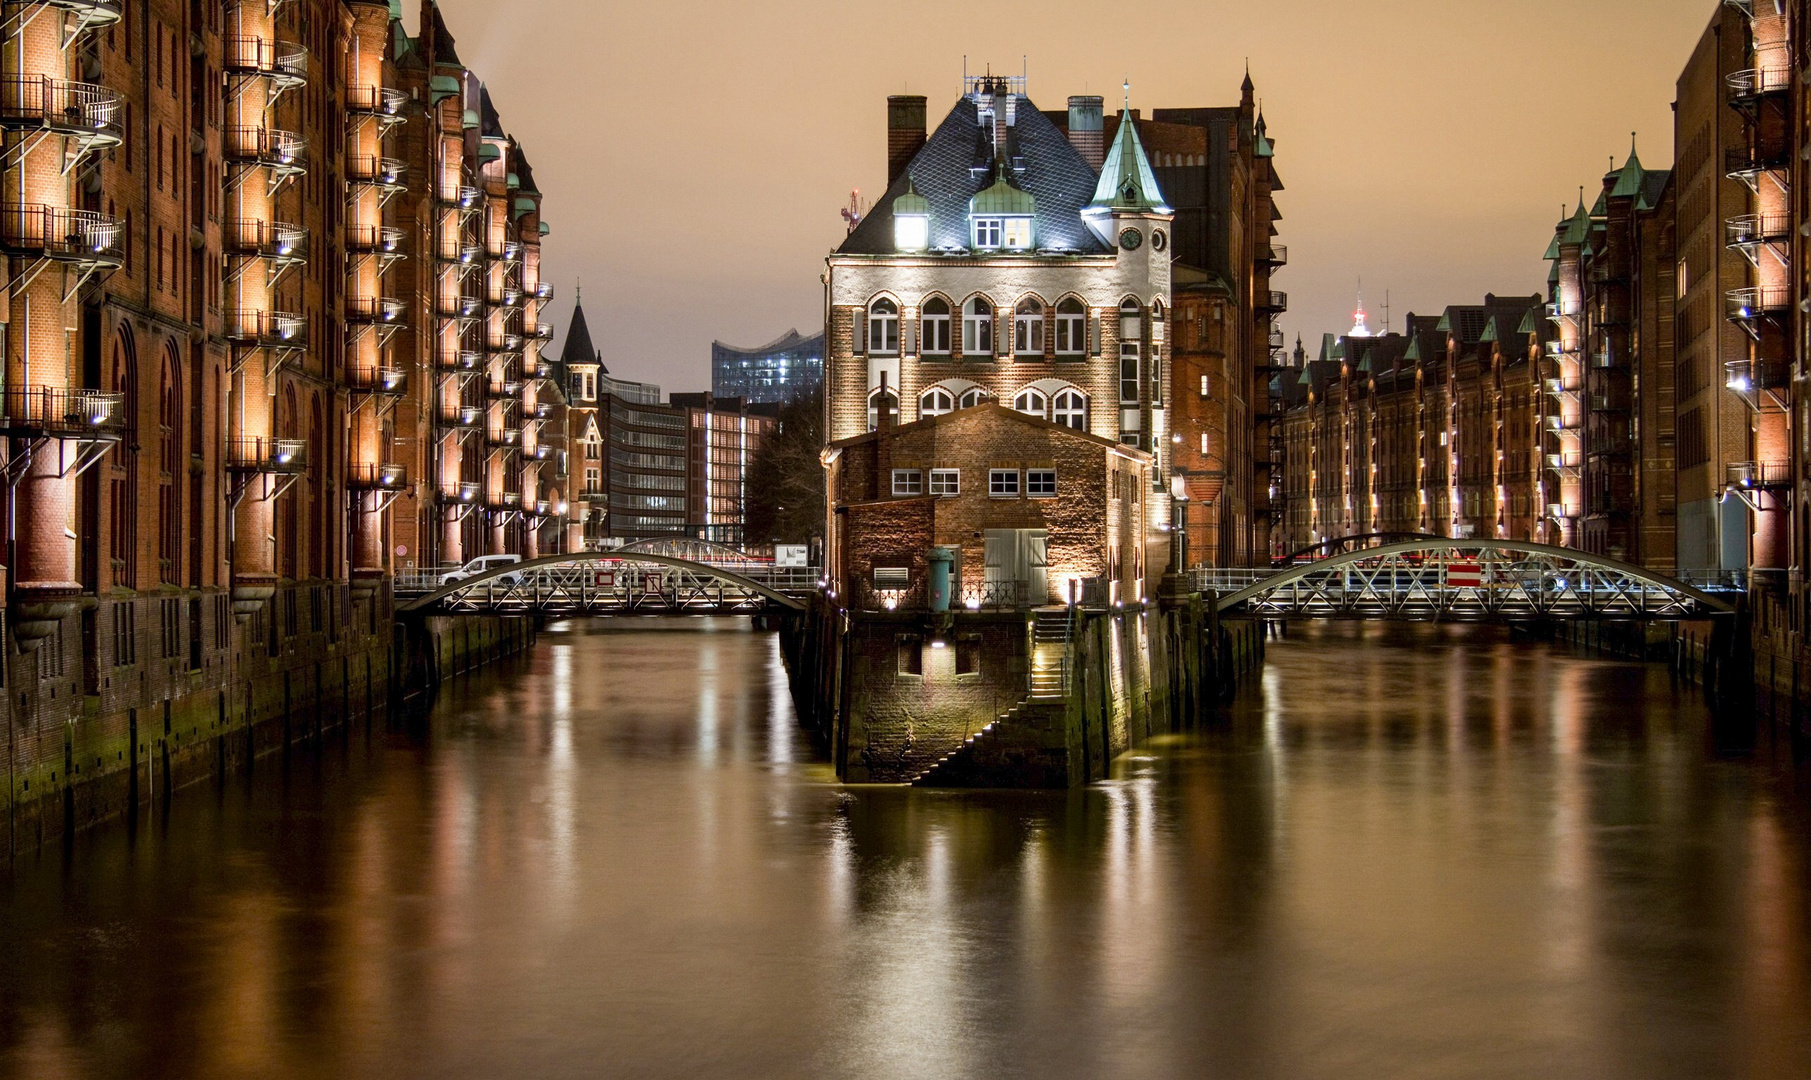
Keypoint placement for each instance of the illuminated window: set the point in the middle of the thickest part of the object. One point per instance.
(988, 231)
(1032, 403)
(1017, 233)
(935, 402)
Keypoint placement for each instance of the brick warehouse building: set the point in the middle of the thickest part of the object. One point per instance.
(265, 262)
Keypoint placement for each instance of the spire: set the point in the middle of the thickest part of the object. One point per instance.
(1126, 179)
(578, 348)
(1629, 181)
(1359, 329)
(1247, 89)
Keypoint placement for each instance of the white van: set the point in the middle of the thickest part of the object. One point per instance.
(483, 564)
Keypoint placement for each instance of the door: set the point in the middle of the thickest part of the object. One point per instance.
(1016, 566)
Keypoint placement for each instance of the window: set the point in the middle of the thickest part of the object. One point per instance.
(883, 327)
(971, 398)
(1040, 483)
(1017, 233)
(1071, 328)
(908, 482)
(1071, 410)
(874, 403)
(946, 482)
(1204, 386)
(936, 326)
(1031, 403)
(911, 655)
(1028, 328)
(1003, 483)
(935, 402)
(1128, 373)
(978, 327)
(1131, 327)
(987, 232)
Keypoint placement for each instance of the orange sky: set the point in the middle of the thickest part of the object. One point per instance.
(694, 155)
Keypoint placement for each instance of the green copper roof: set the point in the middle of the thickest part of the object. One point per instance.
(1629, 181)
(545, 228)
(1261, 141)
(524, 206)
(1578, 230)
(1445, 325)
(1492, 332)
(1552, 248)
(442, 87)
(1530, 324)
(1002, 198)
(470, 119)
(1414, 349)
(911, 202)
(489, 152)
(512, 181)
(1126, 179)
(1601, 206)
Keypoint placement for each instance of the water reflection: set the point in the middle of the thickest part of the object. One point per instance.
(1405, 852)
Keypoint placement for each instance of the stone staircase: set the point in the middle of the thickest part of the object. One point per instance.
(1049, 653)
(951, 769)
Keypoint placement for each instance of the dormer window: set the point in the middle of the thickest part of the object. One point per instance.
(988, 231)
(1017, 233)
(1002, 233)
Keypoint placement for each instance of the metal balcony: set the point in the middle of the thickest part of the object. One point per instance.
(1272, 302)
(541, 452)
(543, 410)
(387, 382)
(86, 111)
(1558, 387)
(373, 171)
(373, 239)
(465, 418)
(461, 360)
(510, 254)
(375, 310)
(283, 152)
(505, 389)
(1749, 230)
(1759, 475)
(459, 306)
(267, 329)
(505, 438)
(267, 455)
(543, 291)
(1756, 381)
(542, 332)
(366, 477)
(462, 197)
(1756, 83)
(82, 237)
(253, 239)
(90, 14)
(1747, 305)
(543, 368)
(63, 413)
(505, 501)
(1562, 512)
(1564, 463)
(1275, 255)
(382, 102)
(506, 344)
(1561, 423)
(509, 296)
(461, 494)
(285, 63)
(1748, 163)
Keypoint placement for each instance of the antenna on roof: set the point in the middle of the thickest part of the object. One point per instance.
(1128, 89)
(1386, 312)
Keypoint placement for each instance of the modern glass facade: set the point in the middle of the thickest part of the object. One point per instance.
(776, 372)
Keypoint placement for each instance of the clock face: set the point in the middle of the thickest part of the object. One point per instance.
(1131, 239)
(1159, 240)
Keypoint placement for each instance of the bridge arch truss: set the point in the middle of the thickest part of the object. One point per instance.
(595, 583)
(1471, 580)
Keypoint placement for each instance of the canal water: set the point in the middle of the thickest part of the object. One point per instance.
(1405, 852)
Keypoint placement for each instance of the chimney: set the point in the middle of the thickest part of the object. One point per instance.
(905, 132)
(1085, 130)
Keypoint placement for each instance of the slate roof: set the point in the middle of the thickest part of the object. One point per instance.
(579, 349)
(956, 164)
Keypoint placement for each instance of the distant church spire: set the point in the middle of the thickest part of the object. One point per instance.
(1359, 329)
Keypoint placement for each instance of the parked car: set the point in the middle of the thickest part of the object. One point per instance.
(483, 564)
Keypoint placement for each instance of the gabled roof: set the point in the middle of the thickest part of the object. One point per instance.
(956, 163)
(1034, 422)
(1126, 180)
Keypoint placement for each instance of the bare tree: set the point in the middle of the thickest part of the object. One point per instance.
(785, 501)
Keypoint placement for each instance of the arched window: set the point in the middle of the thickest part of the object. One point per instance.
(883, 327)
(936, 327)
(1131, 326)
(935, 402)
(1028, 328)
(169, 452)
(287, 545)
(971, 398)
(1071, 328)
(874, 403)
(1032, 403)
(978, 328)
(1071, 410)
(317, 483)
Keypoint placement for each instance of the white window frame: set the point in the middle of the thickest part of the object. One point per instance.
(1022, 403)
(1040, 483)
(907, 482)
(1129, 385)
(946, 483)
(977, 328)
(1068, 405)
(1015, 233)
(1004, 484)
(935, 402)
(936, 329)
(1071, 329)
(971, 398)
(989, 232)
(883, 328)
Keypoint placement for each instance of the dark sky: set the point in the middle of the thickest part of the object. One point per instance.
(694, 156)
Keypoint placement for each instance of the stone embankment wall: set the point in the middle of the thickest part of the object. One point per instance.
(99, 729)
(948, 699)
